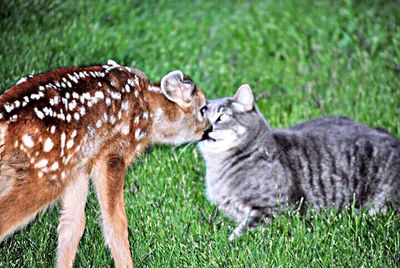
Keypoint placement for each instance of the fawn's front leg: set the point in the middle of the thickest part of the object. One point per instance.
(72, 220)
(108, 178)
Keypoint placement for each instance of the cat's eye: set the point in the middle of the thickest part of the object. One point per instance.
(224, 117)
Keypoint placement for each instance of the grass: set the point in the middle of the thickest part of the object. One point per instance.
(303, 59)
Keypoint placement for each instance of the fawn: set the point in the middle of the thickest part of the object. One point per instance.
(62, 127)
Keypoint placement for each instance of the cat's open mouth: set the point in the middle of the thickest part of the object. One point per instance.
(206, 136)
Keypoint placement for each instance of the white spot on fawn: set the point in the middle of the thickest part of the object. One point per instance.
(82, 111)
(112, 120)
(99, 95)
(48, 145)
(98, 124)
(23, 79)
(61, 116)
(54, 166)
(53, 129)
(108, 101)
(42, 163)
(28, 141)
(63, 138)
(70, 143)
(105, 116)
(86, 96)
(125, 129)
(115, 95)
(72, 105)
(112, 63)
(39, 113)
(73, 78)
(125, 106)
(14, 118)
(9, 107)
(153, 89)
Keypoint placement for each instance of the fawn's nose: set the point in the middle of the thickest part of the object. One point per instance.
(207, 131)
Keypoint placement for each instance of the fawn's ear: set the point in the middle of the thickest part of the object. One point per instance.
(244, 98)
(177, 89)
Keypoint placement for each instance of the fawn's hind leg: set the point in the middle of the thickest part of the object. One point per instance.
(72, 220)
(108, 178)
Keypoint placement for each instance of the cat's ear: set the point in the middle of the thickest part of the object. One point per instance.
(244, 98)
(177, 89)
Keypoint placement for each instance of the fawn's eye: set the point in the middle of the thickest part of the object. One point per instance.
(203, 110)
(224, 117)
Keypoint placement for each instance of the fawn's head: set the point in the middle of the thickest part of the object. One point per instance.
(178, 118)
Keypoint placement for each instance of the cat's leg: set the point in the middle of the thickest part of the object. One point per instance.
(379, 203)
(251, 216)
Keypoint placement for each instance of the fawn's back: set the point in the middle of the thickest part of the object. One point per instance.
(47, 128)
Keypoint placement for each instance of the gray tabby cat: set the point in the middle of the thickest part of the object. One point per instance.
(254, 171)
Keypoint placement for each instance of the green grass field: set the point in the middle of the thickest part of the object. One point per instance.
(303, 59)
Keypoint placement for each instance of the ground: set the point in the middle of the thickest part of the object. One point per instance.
(303, 59)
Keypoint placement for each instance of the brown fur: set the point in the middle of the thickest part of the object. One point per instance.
(61, 127)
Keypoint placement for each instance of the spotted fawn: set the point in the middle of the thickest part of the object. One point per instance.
(62, 127)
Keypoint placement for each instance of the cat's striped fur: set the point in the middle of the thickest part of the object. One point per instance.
(253, 171)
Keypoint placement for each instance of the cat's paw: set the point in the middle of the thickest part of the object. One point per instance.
(235, 234)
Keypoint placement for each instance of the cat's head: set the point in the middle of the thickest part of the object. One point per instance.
(235, 121)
